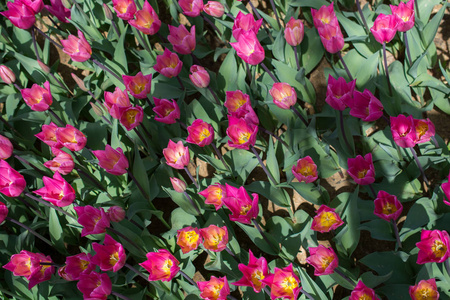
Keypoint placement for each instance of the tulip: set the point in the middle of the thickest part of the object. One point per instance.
(3, 212)
(214, 289)
(294, 32)
(248, 48)
(387, 206)
(176, 155)
(283, 283)
(241, 133)
(199, 76)
(38, 98)
(62, 162)
(284, 96)
(113, 161)
(125, 9)
(78, 265)
(404, 14)
(95, 285)
(7, 75)
(188, 239)
(35, 5)
(110, 256)
(434, 246)
(339, 92)
(58, 9)
(253, 273)
(361, 291)
(305, 170)
(116, 213)
(20, 15)
(365, 106)
(168, 64)
(138, 86)
(384, 28)
(243, 23)
(200, 133)
(62, 273)
(214, 9)
(446, 188)
(326, 219)
(424, 130)
(57, 191)
(166, 111)
(331, 37)
(48, 135)
(178, 185)
(6, 148)
(132, 117)
(323, 259)
(403, 131)
(181, 39)
(161, 265)
(191, 8)
(361, 169)
(94, 220)
(71, 138)
(242, 207)
(214, 195)
(425, 289)
(77, 48)
(214, 238)
(117, 102)
(239, 106)
(324, 16)
(147, 20)
(12, 182)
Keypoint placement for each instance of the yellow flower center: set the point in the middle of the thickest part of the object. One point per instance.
(114, 258)
(256, 278)
(167, 265)
(389, 209)
(168, 110)
(289, 284)
(216, 290)
(138, 88)
(215, 240)
(131, 116)
(204, 134)
(362, 173)
(438, 248)
(326, 261)
(244, 137)
(245, 209)
(405, 18)
(421, 129)
(61, 195)
(365, 297)
(307, 171)
(84, 264)
(327, 219)
(191, 237)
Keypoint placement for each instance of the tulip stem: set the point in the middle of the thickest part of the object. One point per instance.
(263, 166)
(358, 5)
(269, 72)
(140, 137)
(435, 141)
(447, 265)
(344, 135)
(231, 253)
(141, 189)
(61, 122)
(372, 190)
(258, 16)
(191, 177)
(276, 137)
(296, 57)
(118, 233)
(307, 295)
(33, 38)
(386, 68)
(345, 66)
(263, 234)
(182, 124)
(30, 231)
(139, 273)
(51, 206)
(104, 68)
(191, 281)
(180, 82)
(192, 203)
(416, 4)
(48, 37)
(92, 179)
(119, 295)
(30, 164)
(419, 165)
(299, 115)
(408, 53)
(113, 23)
(340, 273)
(220, 157)
(214, 95)
(397, 237)
(274, 8)
(212, 25)
(145, 44)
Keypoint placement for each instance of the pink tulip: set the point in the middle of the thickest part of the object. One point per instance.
(6, 148)
(58, 9)
(425, 289)
(168, 64)
(62, 162)
(110, 256)
(243, 208)
(305, 170)
(331, 37)
(365, 106)
(94, 220)
(132, 117)
(12, 182)
(434, 246)
(200, 133)
(138, 86)
(361, 169)
(405, 15)
(161, 265)
(95, 285)
(214, 289)
(294, 32)
(191, 8)
(178, 185)
(361, 291)
(71, 138)
(215, 238)
(48, 135)
(403, 131)
(241, 133)
(57, 191)
(3, 212)
(253, 273)
(177, 156)
(38, 98)
(166, 111)
(188, 239)
(116, 102)
(116, 213)
(214, 195)
(125, 9)
(387, 206)
(243, 23)
(424, 130)
(248, 48)
(326, 219)
(384, 28)
(324, 16)
(214, 9)
(19, 14)
(446, 188)
(284, 96)
(77, 48)
(147, 20)
(283, 283)
(113, 161)
(199, 76)
(78, 265)
(339, 92)
(7, 75)
(35, 5)
(239, 106)
(323, 259)
(181, 39)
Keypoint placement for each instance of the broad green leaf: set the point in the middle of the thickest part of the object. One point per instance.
(140, 173)
(379, 229)
(272, 163)
(119, 54)
(56, 232)
(394, 263)
(430, 30)
(348, 238)
(258, 240)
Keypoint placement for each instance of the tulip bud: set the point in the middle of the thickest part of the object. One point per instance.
(214, 9)
(116, 213)
(79, 82)
(3, 212)
(294, 32)
(199, 77)
(108, 12)
(97, 110)
(6, 148)
(7, 74)
(178, 185)
(44, 67)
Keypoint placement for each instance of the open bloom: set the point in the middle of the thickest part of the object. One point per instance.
(95, 285)
(188, 239)
(177, 156)
(168, 64)
(305, 170)
(214, 289)
(71, 138)
(116, 102)
(283, 283)
(214, 195)
(253, 273)
(77, 48)
(404, 14)
(181, 39)
(147, 20)
(38, 98)
(284, 96)
(339, 92)
(125, 9)
(214, 238)
(48, 135)
(243, 23)
(425, 289)
(323, 16)
(387, 206)
(326, 219)
(434, 246)
(139, 85)
(241, 133)
(57, 191)
(403, 131)
(161, 265)
(424, 130)
(20, 14)
(110, 256)
(200, 133)
(94, 220)
(361, 291)
(113, 161)
(199, 76)
(242, 207)
(384, 28)
(294, 32)
(323, 259)
(78, 265)
(6, 148)
(3, 212)
(248, 48)
(191, 8)
(132, 117)
(7, 75)
(214, 9)
(240, 107)
(361, 169)
(62, 162)
(12, 182)
(167, 111)
(58, 9)
(365, 106)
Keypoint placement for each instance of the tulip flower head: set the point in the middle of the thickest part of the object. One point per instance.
(200, 133)
(242, 207)
(138, 86)
(404, 14)
(239, 106)
(3, 212)
(6, 148)
(167, 111)
(362, 292)
(253, 273)
(243, 23)
(214, 195)
(48, 135)
(326, 219)
(214, 9)
(57, 191)
(384, 28)
(191, 8)
(425, 289)
(331, 37)
(339, 92)
(12, 182)
(446, 188)
(284, 96)
(324, 16)
(177, 156)
(19, 14)
(7, 75)
(434, 246)
(214, 289)
(305, 170)
(125, 9)
(116, 213)
(147, 20)
(77, 48)
(71, 138)
(241, 133)
(117, 102)
(365, 106)
(323, 259)
(387, 206)
(178, 185)
(132, 117)
(403, 131)
(58, 9)
(181, 39)
(168, 64)
(94, 220)
(62, 162)
(161, 265)
(199, 76)
(424, 130)
(95, 285)
(113, 161)
(38, 98)
(78, 265)
(248, 48)
(214, 238)
(110, 256)
(294, 32)
(188, 239)
(35, 5)
(361, 169)
(283, 283)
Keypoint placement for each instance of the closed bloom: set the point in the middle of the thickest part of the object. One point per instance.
(132, 117)
(199, 76)
(446, 188)
(339, 92)
(200, 133)
(113, 161)
(7, 75)
(138, 86)
(57, 191)
(253, 273)
(283, 283)
(181, 39)
(191, 8)
(58, 9)
(20, 14)
(403, 131)
(425, 289)
(78, 265)
(71, 138)
(387, 206)
(242, 207)
(117, 102)
(214, 289)
(326, 219)
(384, 28)
(161, 265)
(77, 48)
(95, 286)
(331, 37)
(361, 169)
(404, 13)
(284, 96)
(110, 256)
(362, 292)
(214, 238)
(3, 212)
(12, 182)
(365, 106)
(214, 195)
(147, 20)
(167, 111)
(38, 98)
(248, 48)
(324, 16)
(305, 170)
(94, 220)
(6, 148)
(178, 185)
(48, 135)
(116, 213)
(125, 9)
(241, 133)
(239, 106)
(62, 162)
(323, 259)
(214, 9)
(294, 32)
(434, 246)
(188, 239)
(177, 156)
(424, 130)
(168, 64)
(243, 23)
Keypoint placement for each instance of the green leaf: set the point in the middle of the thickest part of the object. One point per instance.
(311, 50)
(420, 214)
(372, 280)
(272, 163)
(56, 232)
(278, 46)
(257, 239)
(348, 238)
(119, 54)
(430, 30)
(139, 171)
(310, 286)
(275, 194)
(181, 200)
(226, 77)
(390, 263)
(309, 191)
(379, 229)
(242, 162)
